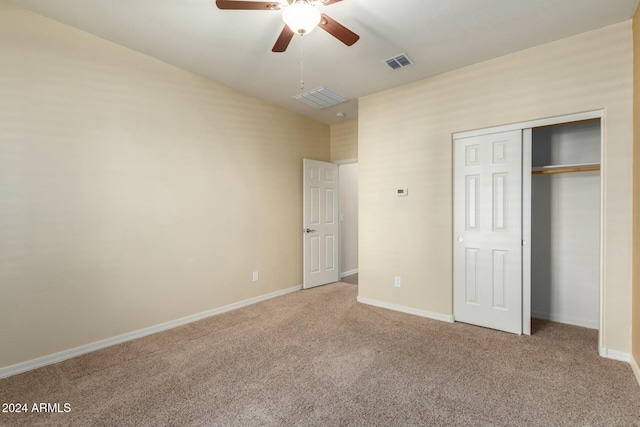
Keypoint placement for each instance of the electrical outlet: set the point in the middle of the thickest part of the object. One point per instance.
(255, 276)
(397, 281)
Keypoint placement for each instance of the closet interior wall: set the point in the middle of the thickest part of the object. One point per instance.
(565, 224)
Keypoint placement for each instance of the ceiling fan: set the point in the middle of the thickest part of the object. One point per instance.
(300, 16)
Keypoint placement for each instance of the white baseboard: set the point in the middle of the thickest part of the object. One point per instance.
(408, 310)
(615, 355)
(68, 354)
(348, 273)
(635, 367)
(564, 319)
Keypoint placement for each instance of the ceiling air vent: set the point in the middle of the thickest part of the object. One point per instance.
(399, 61)
(320, 98)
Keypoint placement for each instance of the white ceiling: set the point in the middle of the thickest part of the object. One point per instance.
(234, 47)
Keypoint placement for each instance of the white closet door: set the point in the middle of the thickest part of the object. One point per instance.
(488, 231)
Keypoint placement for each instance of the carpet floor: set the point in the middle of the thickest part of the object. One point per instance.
(317, 357)
(353, 279)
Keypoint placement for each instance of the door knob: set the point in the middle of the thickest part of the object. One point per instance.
(308, 230)
(460, 239)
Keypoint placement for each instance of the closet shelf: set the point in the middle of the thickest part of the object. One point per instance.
(582, 167)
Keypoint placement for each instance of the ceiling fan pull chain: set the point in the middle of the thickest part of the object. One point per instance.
(301, 66)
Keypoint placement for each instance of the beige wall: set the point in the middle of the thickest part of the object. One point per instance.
(636, 186)
(132, 192)
(344, 141)
(408, 144)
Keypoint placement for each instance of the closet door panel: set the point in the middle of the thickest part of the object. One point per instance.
(488, 231)
(500, 201)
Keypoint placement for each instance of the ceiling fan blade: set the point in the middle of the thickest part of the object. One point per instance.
(338, 30)
(330, 2)
(283, 40)
(248, 5)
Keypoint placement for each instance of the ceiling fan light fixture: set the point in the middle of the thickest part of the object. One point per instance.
(301, 17)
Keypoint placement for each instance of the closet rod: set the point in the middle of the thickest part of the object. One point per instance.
(566, 170)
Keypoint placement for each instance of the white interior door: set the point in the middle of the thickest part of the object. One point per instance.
(488, 230)
(320, 223)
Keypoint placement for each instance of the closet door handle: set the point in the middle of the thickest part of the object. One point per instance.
(460, 239)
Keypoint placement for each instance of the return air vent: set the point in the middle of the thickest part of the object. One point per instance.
(320, 98)
(399, 61)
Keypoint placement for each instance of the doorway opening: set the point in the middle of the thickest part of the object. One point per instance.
(348, 217)
(565, 223)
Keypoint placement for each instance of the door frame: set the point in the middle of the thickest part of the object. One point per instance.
(527, 126)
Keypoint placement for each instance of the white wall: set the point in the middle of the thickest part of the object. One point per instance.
(404, 140)
(565, 248)
(132, 192)
(348, 218)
